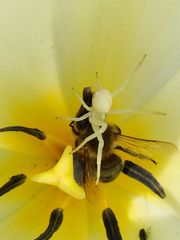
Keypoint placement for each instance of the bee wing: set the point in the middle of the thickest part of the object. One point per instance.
(145, 149)
(91, 189)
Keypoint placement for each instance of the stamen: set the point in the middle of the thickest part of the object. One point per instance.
(140, 174)
(143, 235)
(13, 182)
(31, 131)
(111, 225)
(55, 221)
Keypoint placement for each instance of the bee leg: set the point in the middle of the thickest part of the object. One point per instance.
(81, 100)
(111, 225)
(142, 175)
(55, 221)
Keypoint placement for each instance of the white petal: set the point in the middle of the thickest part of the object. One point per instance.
(111, 37)
(28, 75)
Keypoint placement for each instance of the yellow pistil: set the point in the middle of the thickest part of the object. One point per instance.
(61, 176)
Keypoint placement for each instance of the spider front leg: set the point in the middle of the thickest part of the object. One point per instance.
(89, 138)
(98, 127)
(83, 117)
(95, 126)
(81, 101)
(77, 119)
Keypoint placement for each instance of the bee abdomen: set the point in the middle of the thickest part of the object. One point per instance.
(110, 168)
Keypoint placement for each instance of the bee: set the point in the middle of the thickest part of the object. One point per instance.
(55, 221)
(95, 114)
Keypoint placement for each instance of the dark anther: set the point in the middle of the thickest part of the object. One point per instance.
(55, 221)
(143, 235)
(140, 174)
(111, 225)
(31, 131)
(13, 182)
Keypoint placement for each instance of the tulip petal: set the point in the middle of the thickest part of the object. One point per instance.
(111, 38)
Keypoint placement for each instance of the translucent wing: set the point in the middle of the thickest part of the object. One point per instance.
(91, 188)
(85, 172)
(145, 149)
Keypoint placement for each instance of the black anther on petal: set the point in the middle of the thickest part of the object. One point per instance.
(111, 225)
(55, 221)
(142, 175)
(31, 131)
(13, 182)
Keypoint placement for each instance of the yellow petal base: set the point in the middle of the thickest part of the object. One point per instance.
(61, 176)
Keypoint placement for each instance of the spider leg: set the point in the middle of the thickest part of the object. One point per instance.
(95, 125)
(81, 100)
(77, 119)
(99, 157)
(89, 138)
(99, 151)
(98, 127)
(120, 89)
(129, 111)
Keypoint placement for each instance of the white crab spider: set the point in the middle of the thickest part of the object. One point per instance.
(101, 106)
